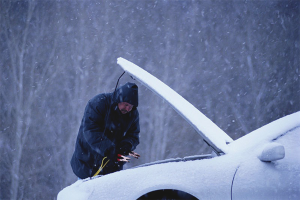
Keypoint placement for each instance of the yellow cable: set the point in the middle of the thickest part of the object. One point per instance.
(101, 167)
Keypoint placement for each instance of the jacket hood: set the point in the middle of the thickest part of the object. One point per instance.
(128, 93)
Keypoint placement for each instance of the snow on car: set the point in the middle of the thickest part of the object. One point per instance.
(264, 164)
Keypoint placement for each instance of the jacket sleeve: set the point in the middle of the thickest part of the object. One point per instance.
(132, 135)
(94, 125)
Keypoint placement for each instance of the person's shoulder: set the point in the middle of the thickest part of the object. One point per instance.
(101, 99)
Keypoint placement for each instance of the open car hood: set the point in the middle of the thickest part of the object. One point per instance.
(209, 131)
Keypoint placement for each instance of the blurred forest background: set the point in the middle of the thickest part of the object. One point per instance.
(236, 61)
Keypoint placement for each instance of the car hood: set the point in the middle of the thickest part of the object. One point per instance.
(209, 131)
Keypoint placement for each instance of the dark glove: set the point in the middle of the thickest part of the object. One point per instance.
(111, 154)
(125, 149)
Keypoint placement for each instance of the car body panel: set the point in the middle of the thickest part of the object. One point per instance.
(271, 180)
(209, 131)
(207, 178)
(183, 176)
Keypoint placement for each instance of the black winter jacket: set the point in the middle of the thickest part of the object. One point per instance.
(103, 130)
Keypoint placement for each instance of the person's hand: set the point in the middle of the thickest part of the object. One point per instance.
(125, 149)
(111, 154)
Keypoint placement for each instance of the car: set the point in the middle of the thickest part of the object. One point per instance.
(264, 164)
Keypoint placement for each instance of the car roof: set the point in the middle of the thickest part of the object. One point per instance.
(209, 131)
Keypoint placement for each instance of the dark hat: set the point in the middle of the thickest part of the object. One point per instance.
(128, 93)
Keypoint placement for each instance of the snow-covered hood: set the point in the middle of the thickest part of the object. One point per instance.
(208, 130)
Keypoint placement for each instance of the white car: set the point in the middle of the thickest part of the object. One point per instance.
(264, 164)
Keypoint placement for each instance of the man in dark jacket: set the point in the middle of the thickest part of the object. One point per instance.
(108, 132)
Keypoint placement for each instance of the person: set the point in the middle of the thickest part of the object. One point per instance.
(108, 133)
